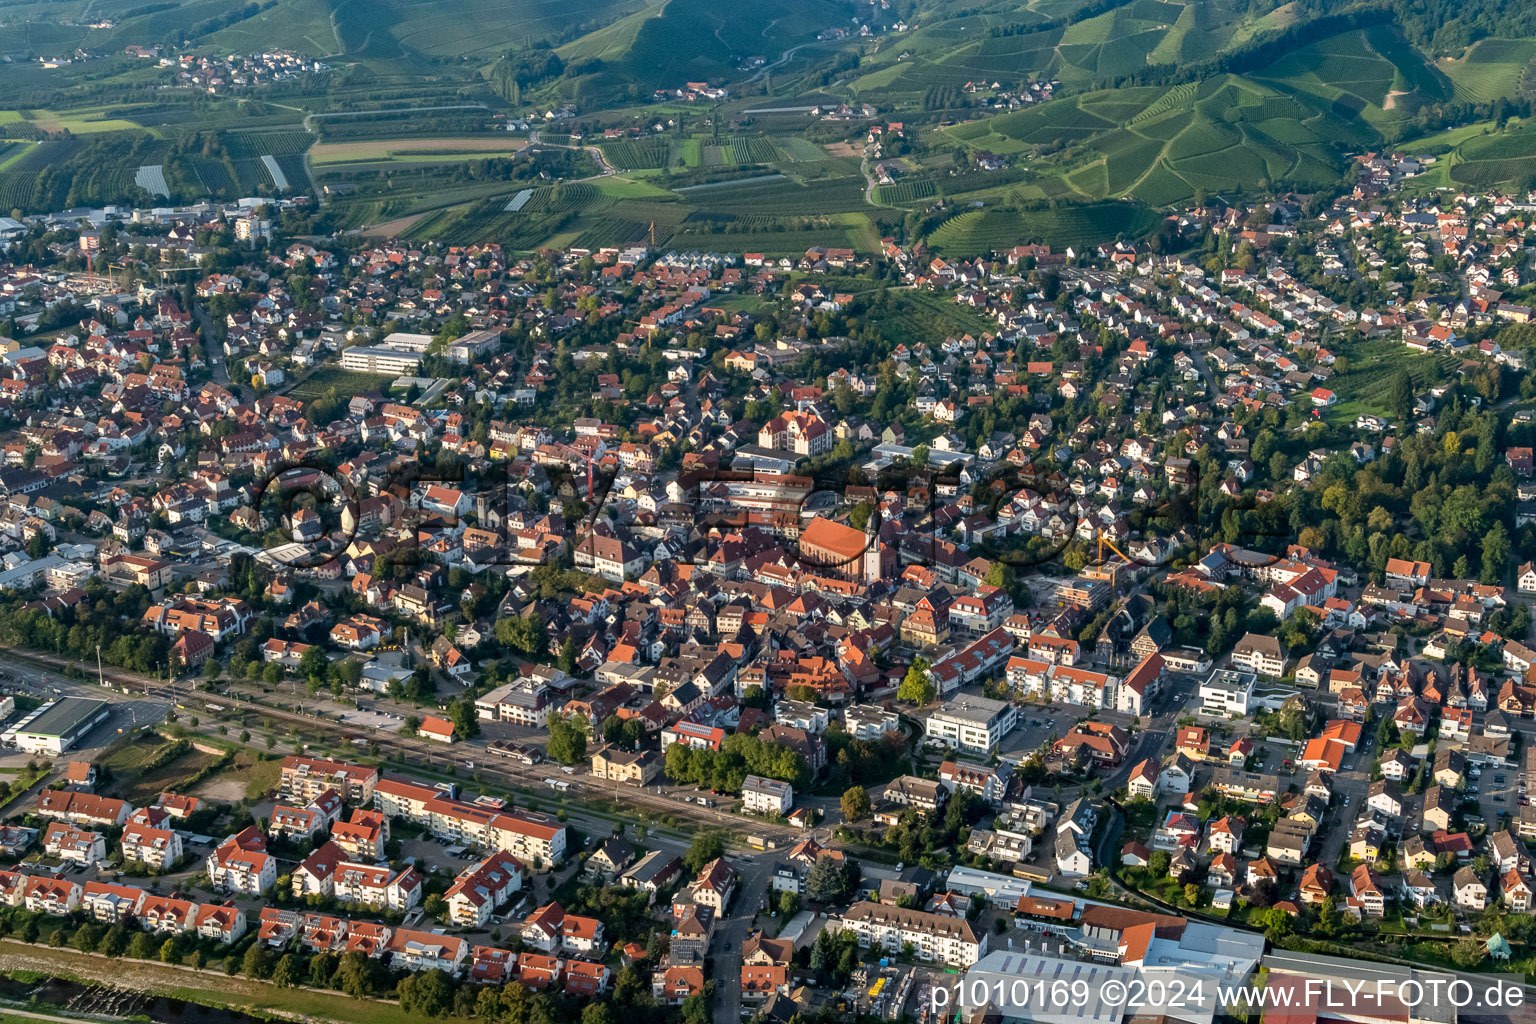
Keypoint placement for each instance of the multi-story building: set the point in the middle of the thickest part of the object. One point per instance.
(380, 888)
(363, 835)
(75, 845)
(634, 767)
(424, 951)
(1227, 692)
(531, 837)
(523, 702)
(869, 721)
(1262, 654)
(766, 796)
(933, 937)
(480, 889)
(82, 808)
(973, 724)
(991, 784)
(305, 778)
(156, 848)
(241, 863)
(110, 903)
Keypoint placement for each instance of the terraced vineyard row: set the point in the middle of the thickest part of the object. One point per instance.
(753, 150)
(638, 154)
(246, 145)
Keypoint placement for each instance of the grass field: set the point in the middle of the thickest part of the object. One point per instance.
(250, 777)
(138, 784)
(346, 382)
(83, 122)
(323, 153)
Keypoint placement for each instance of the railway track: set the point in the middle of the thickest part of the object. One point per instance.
(429, 755)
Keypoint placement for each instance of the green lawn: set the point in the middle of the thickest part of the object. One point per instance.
(346, 382)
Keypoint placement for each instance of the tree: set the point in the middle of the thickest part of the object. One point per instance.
(169, 952)
(354, 975)
(1192, 894)
(112, 943)
(286, 973)
(916, 688)
(596, 1013)
(525, 634)
(567, 740)
(426, 994)
(1001, 575)
(855, 803)
(706, 847)
(1275, 921)
(1496, 550)
(141, 947)
(1401, 399)
(322, 969)
(825, 882)
(257, 963)
(789, 903)
(1468, 953)
(466, 722)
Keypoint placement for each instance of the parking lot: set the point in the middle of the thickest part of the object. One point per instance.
(1497, 794)
(1036, 725)
(373, 720)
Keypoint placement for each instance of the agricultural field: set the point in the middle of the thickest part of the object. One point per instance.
(244, 145)
(1507, 157)
(979, 231)
(1489, 69)
(775, 236)
(1366, 385)
(906, 193)
(323, 153)
(636, 154)
(1019, 41)
(1163, 146)
(660, 46)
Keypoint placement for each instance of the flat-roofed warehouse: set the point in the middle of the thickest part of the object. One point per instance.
(59, 725)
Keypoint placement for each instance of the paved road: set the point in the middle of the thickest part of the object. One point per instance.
(213, 354)
(756, 874)
(604, 168)
(784, 58)
(1205, 370)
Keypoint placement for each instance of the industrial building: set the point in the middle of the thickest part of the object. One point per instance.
(58, 725)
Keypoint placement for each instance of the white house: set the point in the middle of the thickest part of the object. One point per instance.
(766, 796)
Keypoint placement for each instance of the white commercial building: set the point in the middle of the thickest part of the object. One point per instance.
(1227, 692)
(973, 724)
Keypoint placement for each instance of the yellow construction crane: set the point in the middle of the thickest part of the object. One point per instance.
(1104, 541)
